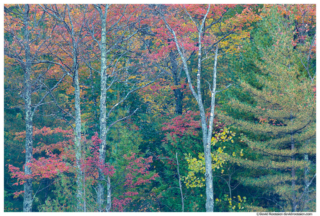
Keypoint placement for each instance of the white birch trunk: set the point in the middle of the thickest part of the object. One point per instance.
(108, 208)
(103, 111)
(77, 139)
(206, 132)
(27, 199)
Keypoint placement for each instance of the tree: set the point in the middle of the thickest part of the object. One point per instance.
(71, 24)
(283, 116)
(47, 167)
(112, 107)
(200, 25)
(59, 163)
(28, 38)
(115, 44)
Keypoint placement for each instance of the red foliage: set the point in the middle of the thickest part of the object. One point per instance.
(92, 164)
(182, 124)
(45, 131)
(138, 166)
(137, 175)
(40, 168)
(118, 204)
(48, 167)
(305, 20)
(44, 167)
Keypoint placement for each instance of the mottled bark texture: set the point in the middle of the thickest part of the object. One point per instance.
(103, 111)
(77, 139)
(27, 200)
(28, 57)
(75, 71)
(206, 131)
(108, 208)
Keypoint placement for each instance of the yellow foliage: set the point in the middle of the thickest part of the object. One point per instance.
(196, 166)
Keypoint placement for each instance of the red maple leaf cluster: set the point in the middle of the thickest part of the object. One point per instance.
(138, 174)
(181, 125)
(92, 164)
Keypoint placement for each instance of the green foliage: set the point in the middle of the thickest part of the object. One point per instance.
(263, 158)
(282, 115)
(63, 198)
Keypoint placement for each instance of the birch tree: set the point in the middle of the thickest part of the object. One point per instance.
(202, 23)
(71, 24)
(27, 48)
(206, 132)
(116, 23)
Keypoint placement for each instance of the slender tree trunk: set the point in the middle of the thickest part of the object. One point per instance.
(77, 138)
(103, 111)
(293, 174)
(178, 94)
(179, 97)
(306, 181)
(80, 204)
(76, 84)
(108, 208)
(198, 97)
(84, 190)
(27, 200)
(208, 158)
(180, 185)
(213, 96)
(208, 164)
(205, 132)
(229, 186)
(94, 99)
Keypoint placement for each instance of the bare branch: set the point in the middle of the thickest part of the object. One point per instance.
(224, 88)
(115, 122)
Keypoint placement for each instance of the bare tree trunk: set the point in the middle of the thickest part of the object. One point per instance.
(306, 181)
(74, 70)
(293, 174)
(80, 204)
(180, 185)
(208, 162)
(208, 158)
(108, 208)
(229, 186)
(27, 200)
(206, 133)
(84, 191)
(30, 84)
(78, 141)
(103, 111)
(178, 94)
(94, 99)
(208, 175)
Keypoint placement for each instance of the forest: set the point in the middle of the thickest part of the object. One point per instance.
(159, 108)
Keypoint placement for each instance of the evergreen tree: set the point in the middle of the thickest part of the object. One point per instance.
(282, 126)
